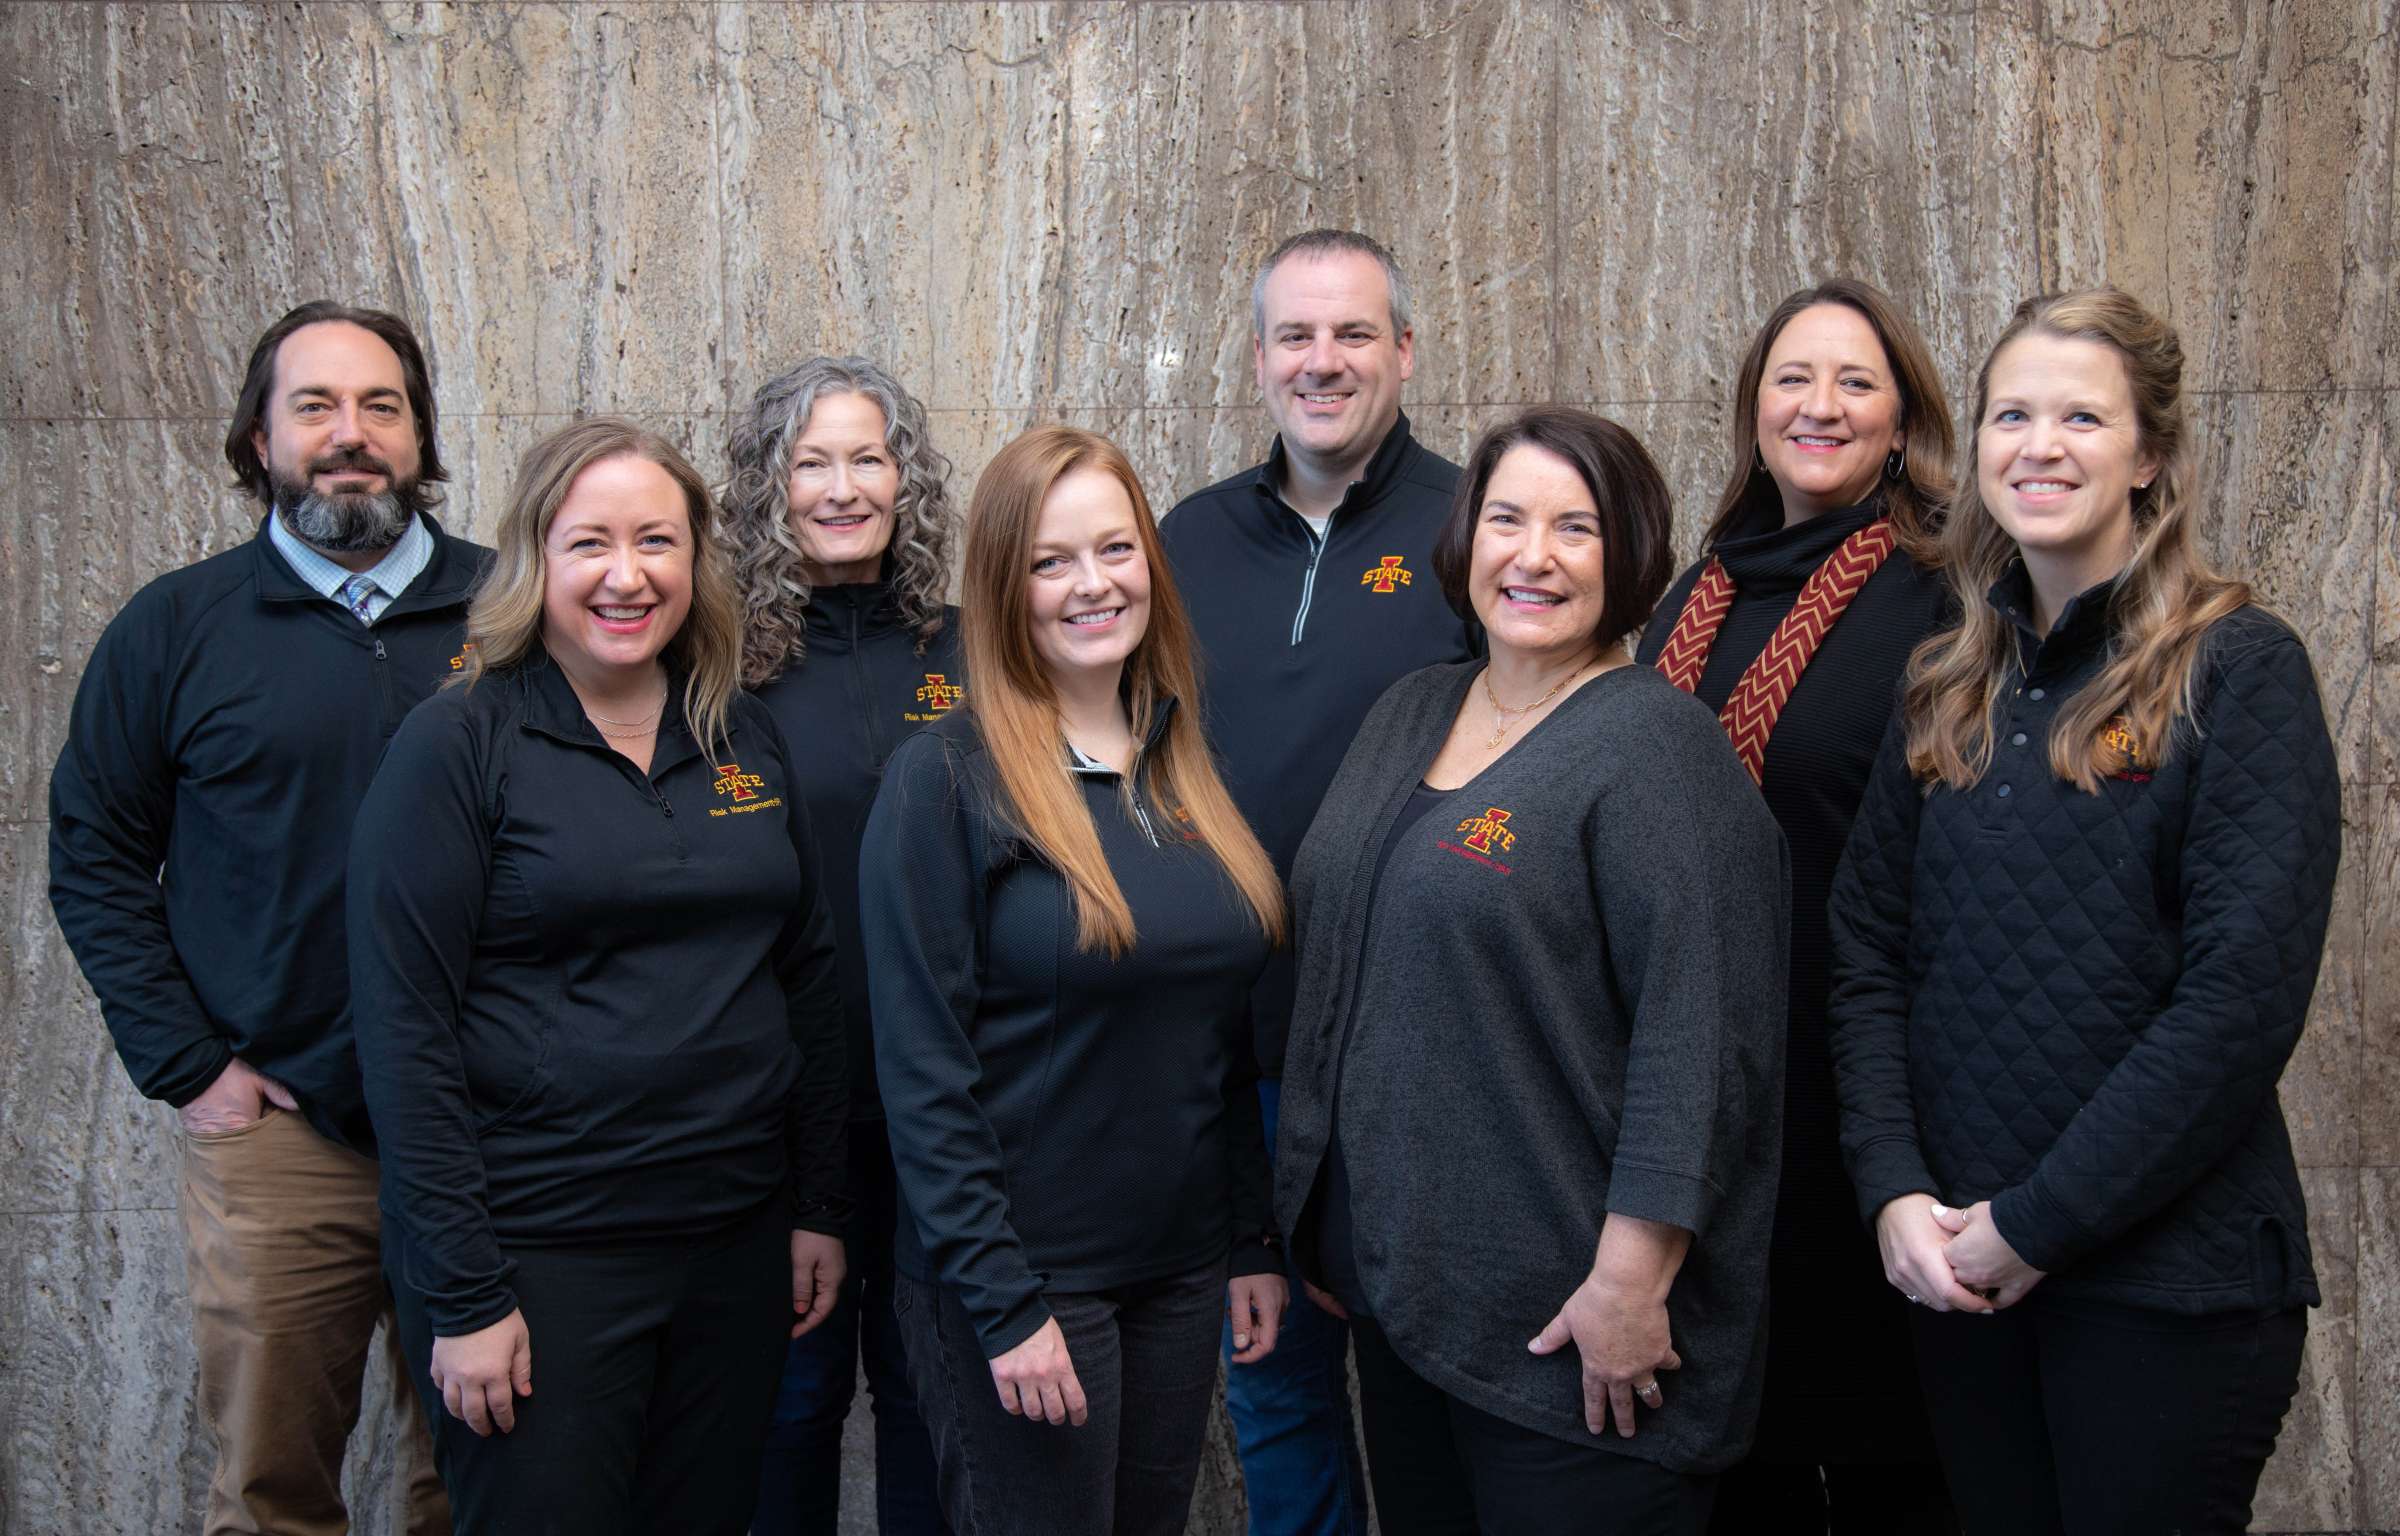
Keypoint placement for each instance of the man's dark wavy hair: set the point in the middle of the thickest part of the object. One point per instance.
(249, 471)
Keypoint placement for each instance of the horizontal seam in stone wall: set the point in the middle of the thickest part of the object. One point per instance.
(1095, 408)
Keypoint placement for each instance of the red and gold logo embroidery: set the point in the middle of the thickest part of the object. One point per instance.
(1487, 829)
(1389, 575)
(2133, 764)
(742, 786)
(458, 663)
(939, 695)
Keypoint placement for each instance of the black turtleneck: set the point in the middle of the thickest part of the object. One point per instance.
(861, 687)
(1839, 1385)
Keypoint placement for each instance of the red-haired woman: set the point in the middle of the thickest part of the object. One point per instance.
(2074, 940)
(1063, 913)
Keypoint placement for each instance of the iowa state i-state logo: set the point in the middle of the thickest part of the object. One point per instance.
(1486, 836)
(742, 786)
(1389, 575)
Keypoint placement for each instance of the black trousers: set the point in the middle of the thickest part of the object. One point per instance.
(1147, 1358)
(2061, 1417)
(1442, 1468)
(654, 1370)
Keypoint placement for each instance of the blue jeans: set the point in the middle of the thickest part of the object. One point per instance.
(1291, 1413)
(800, 1486)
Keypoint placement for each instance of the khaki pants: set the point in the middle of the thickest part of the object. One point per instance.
(283, 1239)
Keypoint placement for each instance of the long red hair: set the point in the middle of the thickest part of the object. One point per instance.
(1016, 706)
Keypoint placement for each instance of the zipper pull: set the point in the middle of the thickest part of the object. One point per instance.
(379, 656)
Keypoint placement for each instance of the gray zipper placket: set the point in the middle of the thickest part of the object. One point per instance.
(1316, 556)
(1133, 791)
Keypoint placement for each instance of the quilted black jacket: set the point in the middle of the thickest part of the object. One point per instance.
(2077, 1006)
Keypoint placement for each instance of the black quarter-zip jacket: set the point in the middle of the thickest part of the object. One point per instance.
(860, 689)
(221, 739)
(2076, 1006)
(1299, 636)
(596, 1007)
(1060, 1120)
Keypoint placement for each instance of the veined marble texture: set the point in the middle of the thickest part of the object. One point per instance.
(1034, 211)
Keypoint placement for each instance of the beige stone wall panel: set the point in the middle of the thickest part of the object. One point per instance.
(2317, 1491)
(1428, 124)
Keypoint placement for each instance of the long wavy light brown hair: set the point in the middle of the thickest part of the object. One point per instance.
(767, 564)
(1016, 705)
(1913, 500)
(2161, 607)
(504, 620)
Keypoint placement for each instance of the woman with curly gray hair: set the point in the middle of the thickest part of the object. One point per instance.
(839, 515)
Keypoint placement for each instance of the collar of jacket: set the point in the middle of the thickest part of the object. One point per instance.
(1150, 739)
(1382, 472)
(553, 709)
(836, 615)
(445, 581)
(2082, 627)
(1781, 559)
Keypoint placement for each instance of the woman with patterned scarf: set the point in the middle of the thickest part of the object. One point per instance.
(1817, 578)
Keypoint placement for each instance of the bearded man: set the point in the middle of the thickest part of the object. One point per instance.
(222, 737)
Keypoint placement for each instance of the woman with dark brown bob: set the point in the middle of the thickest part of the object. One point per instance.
(1818, 575)
(1530, 1115)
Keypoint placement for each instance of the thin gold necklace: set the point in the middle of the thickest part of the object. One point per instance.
(1501, 712)
(639, 720)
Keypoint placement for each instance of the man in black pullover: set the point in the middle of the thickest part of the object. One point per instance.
(222, 737)
(1309, 581)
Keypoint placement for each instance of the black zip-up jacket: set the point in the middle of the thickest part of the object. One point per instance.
(200, 812)
(1300, 636)
(2077, 1006)
(1061, 1121)
(595, 1008)
(860, 689)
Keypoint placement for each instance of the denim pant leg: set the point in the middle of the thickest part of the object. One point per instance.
(1291, 1414)
(800, 1482)
(907, 1502)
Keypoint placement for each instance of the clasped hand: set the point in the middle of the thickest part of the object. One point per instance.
(1948, 1259)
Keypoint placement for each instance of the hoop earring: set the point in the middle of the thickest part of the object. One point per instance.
(1895, 464)
(1758, 459)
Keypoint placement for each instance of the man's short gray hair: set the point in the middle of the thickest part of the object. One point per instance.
(1328, 242)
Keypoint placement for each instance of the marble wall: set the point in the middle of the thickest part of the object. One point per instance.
(1052, 210)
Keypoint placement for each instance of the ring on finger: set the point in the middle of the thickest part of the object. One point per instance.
(1914, 1299)
(1647, 1391)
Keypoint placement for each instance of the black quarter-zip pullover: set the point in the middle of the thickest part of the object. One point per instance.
(596, 1007)
(862, 687)
(1300, 635)
(221, 739)
(1061, 1120)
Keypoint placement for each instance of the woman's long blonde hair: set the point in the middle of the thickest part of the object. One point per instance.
(504, 621)
(1016, 706)
(2161, 606)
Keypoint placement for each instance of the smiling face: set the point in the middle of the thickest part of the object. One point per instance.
(1535, 571)
(1828, 410)
(1087, 579)
(616, 570)
(1330, 364)
(2058, 454)
(843, 485)
(339, 439)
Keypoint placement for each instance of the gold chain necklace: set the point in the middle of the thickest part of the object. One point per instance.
(1501, 712)
(639, 726)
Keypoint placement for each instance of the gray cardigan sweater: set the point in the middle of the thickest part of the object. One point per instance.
(1568, 1000)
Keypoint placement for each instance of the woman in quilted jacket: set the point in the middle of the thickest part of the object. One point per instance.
(2075, 935)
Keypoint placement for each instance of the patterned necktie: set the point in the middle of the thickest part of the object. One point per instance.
(359, 594)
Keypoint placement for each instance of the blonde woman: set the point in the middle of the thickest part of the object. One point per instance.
(598, 1020)
(1063, 915)
(2075, 936)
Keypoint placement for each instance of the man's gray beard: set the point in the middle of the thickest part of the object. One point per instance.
(346, 524)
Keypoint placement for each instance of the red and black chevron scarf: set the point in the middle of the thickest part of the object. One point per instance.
(1749, 713)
